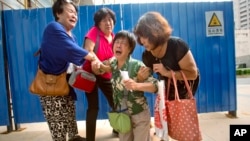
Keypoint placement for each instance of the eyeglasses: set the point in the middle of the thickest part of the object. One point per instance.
(121, 42)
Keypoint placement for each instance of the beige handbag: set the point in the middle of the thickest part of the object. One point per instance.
(49, 85)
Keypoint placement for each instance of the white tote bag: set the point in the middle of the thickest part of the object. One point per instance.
(160, 118)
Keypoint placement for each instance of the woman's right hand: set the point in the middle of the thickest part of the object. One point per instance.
(95, 66)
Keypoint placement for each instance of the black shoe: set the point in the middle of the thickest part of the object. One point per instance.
(115, 133)
(77, 138)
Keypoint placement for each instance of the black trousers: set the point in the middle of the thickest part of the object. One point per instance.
(93, 105)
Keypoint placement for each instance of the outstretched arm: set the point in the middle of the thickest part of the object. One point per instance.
(105, 67)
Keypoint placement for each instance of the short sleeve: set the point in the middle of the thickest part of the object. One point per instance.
(182, 49)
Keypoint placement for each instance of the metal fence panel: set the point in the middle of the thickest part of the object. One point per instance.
(4, 116)
(214, 55)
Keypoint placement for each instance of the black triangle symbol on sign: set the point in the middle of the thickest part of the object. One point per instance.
(214, 21)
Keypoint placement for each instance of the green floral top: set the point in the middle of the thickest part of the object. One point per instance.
(136, 101)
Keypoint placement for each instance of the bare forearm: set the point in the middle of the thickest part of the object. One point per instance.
(90, 56)
(146, 87)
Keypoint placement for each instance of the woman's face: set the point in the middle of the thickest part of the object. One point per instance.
(147, 45)
(68, 18)
(121, 48)
(107, 25)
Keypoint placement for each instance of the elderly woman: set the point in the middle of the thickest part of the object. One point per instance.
(101, 32)
(129, 93)
(58, 49)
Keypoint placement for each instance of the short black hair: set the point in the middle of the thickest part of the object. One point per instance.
(124, 34)
(102, 13)
(57, 7)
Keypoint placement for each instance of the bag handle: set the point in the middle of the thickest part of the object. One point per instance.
(187, 85)
(175, 85)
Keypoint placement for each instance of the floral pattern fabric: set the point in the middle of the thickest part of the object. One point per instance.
(136, 101)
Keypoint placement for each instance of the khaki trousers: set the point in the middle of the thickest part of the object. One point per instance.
(140, 128)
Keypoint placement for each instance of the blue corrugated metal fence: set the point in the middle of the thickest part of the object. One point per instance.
(4, 114)
(214, 55)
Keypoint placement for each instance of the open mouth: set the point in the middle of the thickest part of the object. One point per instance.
(72, 21)
(118, 52)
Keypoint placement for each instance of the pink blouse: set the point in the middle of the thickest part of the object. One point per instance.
(104, 51)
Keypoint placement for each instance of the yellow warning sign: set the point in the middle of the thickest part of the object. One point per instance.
(214, 21)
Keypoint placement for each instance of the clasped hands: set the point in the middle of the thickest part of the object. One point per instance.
(95, 66)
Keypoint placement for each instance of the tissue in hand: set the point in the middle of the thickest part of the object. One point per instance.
(124, 75)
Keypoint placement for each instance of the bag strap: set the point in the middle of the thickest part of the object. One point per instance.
(187, 85)
(175, 86)
(97, 42)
